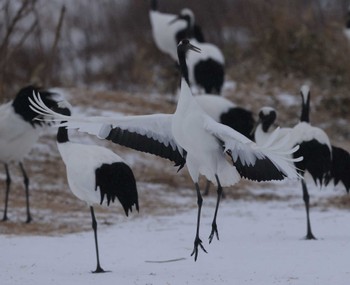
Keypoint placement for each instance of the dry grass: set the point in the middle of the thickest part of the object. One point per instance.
(56, 211)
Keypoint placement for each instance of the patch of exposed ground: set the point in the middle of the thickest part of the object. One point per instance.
(162, 191)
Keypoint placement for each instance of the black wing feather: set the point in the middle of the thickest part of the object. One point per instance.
(146, 144)
(340, 170)
(317, 160)
(117, 180)
(262, 170)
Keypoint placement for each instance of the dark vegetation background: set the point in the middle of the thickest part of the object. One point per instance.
(103, 52)
(108, 44)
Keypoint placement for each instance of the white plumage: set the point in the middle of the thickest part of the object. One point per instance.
(97, 175)
(164, 34)
(81, 161)
(214, 105)
(190, 136)
(167, 33)
(18, 134)
(226, 112)
(315, 146)
(205, 69)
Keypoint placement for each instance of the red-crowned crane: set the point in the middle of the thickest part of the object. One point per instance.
(190, 136)
(97, 176)
(315, 147)
(19, 132)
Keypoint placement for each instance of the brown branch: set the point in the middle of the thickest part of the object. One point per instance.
(23, 38)
(12, 25)
(54, 45)
(58, 31)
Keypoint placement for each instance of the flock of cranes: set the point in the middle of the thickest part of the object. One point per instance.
(207, 133)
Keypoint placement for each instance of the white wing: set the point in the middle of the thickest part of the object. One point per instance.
(257, 162)
(147, 133)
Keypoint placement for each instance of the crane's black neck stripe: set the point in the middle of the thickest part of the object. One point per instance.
(267, 120)
(305, 109)
(181, 53)
(62, 135)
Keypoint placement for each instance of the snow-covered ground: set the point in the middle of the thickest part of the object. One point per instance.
(260, 243)
(261, 226)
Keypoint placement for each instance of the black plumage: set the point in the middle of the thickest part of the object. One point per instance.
(116, 180)
(146, 144)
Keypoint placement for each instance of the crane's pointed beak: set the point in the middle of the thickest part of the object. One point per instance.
(174, 20)
(194, 48)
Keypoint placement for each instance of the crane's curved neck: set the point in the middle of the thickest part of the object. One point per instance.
(305, 108)
(183, 65)
(265, 126)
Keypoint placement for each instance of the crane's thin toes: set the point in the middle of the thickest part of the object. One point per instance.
(214, 231)
(28, 220)
(310, 237)
(99, 269)
(197, 242)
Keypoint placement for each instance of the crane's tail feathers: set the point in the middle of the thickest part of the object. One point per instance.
(281, 146)
(280, 152)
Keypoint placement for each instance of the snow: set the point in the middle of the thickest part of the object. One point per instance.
(260, 243)
(260, 239)
(288, 100)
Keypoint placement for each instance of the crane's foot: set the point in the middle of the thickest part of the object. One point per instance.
(197, 242)
(214, 231)
(310, 236)
(29, 219)
(99, 269)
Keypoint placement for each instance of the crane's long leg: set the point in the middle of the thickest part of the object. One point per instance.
(197, 240)
(214, 228)
(8, 183)
(207, 187)
(306, 198)
(26, 186)
(94, 227)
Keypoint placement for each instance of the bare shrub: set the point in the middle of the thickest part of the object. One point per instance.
(108, 43)
(300, 37)
(25, 56)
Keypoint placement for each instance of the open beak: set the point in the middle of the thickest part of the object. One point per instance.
(194, 48)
